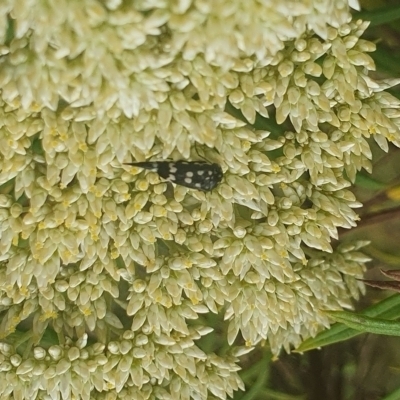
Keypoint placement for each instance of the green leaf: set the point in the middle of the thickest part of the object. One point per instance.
(380, 16)
(10, 32)
(274, 395)
(262, 378)
(382, 256)
(261, 123)
(37, 146)
(395, 395)
(388, 309)
(366, 324)
(367, 182)
(386, 61)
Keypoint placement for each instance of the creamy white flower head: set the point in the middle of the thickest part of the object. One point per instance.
(122, 259)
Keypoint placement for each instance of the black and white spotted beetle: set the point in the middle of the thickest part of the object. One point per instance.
(192, 174)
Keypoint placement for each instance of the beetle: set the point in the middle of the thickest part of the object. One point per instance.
(199, 175)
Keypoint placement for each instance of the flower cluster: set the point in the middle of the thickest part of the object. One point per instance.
(115, 262)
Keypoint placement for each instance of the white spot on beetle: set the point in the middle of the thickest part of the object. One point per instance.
(188, 180)
(172, 168)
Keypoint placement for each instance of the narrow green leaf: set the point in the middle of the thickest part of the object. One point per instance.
(337, 333)
(367, 182)
(274, 395)
(383, 256)
(380, 16)
(262, 377)
(10, 32)
(36, 146)
(366, 324)
(388, 309)
(395, 395)
(386, 61)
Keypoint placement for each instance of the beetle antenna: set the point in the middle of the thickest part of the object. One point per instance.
(197, 151)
